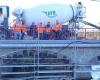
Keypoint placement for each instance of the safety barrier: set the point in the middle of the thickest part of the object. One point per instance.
(64, 34)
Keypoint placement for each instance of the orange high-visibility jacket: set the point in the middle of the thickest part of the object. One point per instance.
(16, 27)
(48, 30)
(57, 27)
(23, 28)
(40, 29)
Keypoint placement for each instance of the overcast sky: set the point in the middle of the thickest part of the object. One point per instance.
(92, 7)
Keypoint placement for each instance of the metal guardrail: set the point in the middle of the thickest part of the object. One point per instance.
(64, 34)
(88, 34)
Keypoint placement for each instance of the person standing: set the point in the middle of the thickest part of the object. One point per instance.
(32, 30)
(40, 31)
(17, 30)
(23, 30)
(1, 17)
(57, 30)
(48, 31)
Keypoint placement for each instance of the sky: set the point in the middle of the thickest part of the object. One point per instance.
(92, 7)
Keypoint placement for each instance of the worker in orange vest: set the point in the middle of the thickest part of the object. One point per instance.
(48, 30)
(40, 30)
(17, 30)
(23, 30)
(57, 30)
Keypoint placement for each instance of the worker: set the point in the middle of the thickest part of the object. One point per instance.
(57, 30)
(1, 13)
(32, 31)
(40, 31)
(17, 30)
(48, 30)
(1, 18)
(23, 30)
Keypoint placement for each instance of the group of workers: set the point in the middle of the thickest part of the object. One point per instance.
(40, 31)
(19, 30)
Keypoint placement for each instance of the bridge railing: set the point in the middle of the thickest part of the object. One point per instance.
(64, 34)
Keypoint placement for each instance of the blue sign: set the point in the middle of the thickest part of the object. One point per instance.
(50, 14)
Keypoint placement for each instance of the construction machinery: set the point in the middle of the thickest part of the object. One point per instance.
(43, 13)
(72, 14)
(50, 12)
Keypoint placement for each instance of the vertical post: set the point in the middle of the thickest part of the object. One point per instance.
(38, 48)
(85, 33)
(34, 65)
(75, 51)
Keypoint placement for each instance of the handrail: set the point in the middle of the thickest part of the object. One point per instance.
(91, 24)
(65, 34)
